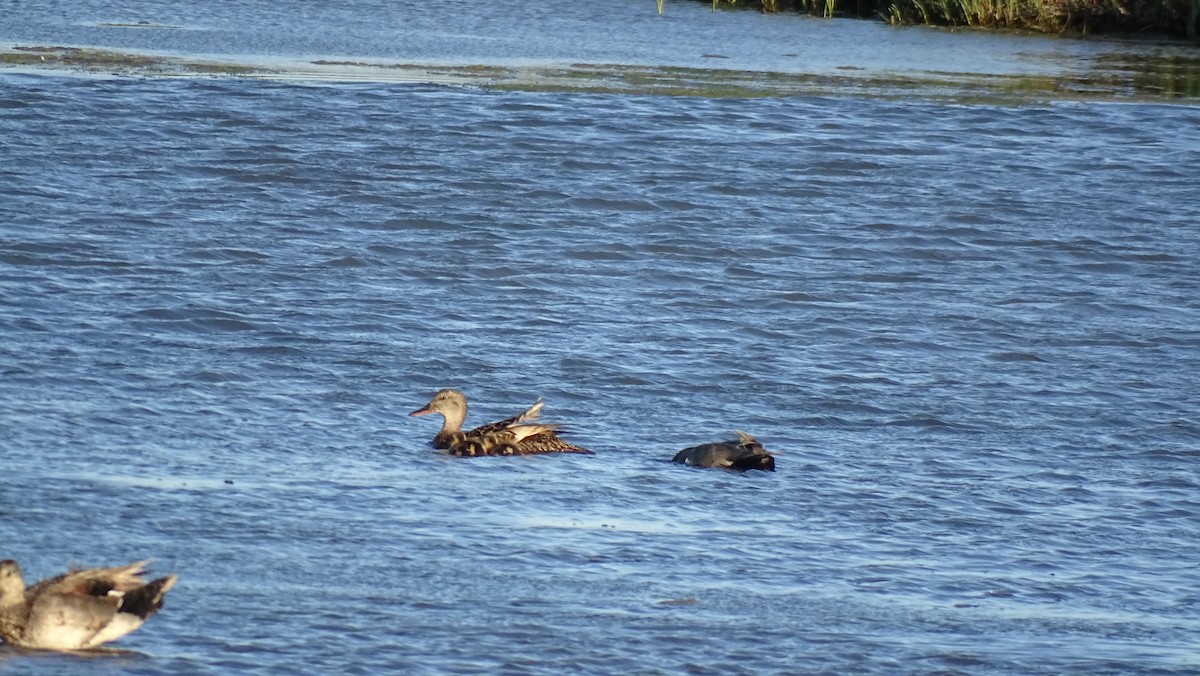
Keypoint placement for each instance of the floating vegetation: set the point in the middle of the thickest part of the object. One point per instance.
(1168, 77)
(76, 57)
(678, 602)
(468, 70)
(93, 60)
(219, 68)
(139, 24)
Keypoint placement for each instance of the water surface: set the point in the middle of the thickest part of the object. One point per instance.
(970, 331)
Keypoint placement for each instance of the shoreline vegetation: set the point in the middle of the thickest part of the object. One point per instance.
(1173, 18)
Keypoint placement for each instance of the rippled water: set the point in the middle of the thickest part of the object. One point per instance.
(971, 332)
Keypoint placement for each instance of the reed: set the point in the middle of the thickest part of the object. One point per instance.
(1179, 18)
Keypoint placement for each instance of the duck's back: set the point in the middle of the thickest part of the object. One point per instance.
(727, 454)
(491, 429)
(549, 442)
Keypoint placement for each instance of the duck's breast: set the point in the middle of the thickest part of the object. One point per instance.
(68, 621)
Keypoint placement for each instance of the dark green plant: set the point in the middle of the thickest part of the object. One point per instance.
(1173, 17)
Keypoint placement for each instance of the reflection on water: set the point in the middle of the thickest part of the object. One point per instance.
(1167, 75)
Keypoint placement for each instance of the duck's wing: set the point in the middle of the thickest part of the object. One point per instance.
(93, 580)
(528, 414)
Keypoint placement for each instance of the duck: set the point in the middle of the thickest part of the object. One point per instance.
(740, 454)
(78, 610)
(511, 436)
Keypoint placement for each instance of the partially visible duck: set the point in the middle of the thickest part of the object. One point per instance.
(508, 441)
(741, 454)
(77, 610)
(507, 437)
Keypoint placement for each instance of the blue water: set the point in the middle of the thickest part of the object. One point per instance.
(971, 333)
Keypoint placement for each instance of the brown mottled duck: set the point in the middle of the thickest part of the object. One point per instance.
(512, 436)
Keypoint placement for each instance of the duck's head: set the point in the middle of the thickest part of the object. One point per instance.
(746, 443)
(12, 585)
(450, 403)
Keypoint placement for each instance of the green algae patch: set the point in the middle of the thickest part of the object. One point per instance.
(95, 60)
(74, 57)
(146, 25)
(1165, 79)
(231, 69)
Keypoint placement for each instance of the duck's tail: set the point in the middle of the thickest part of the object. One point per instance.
(147, 599)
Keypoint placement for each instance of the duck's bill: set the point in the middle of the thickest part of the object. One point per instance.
(424, 410)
